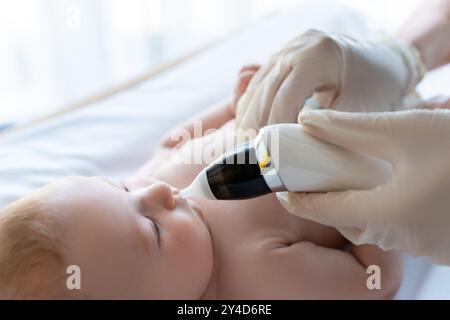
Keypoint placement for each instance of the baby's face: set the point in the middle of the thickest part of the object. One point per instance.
(148, 243)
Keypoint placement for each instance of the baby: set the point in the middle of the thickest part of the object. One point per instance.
(141, 240)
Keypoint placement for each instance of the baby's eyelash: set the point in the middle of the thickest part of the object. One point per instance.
(156, 226)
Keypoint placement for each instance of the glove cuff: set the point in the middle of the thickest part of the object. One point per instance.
(411, 58)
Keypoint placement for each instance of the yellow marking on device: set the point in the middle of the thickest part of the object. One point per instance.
(265, 161)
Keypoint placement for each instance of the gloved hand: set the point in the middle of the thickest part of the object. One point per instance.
(411, 211)
(345, 74)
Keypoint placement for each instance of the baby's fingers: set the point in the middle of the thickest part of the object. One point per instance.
(439, 102)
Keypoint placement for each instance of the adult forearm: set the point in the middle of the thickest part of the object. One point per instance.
(428, 29)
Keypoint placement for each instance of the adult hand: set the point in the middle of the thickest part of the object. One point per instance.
(412, 211)
(345, 74)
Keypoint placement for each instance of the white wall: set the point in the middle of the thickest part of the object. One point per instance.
(53, 52)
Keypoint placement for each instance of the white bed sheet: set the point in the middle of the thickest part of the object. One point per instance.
(114, 137)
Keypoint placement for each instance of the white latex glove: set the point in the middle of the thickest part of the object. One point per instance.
(411, 211)
(345, 74)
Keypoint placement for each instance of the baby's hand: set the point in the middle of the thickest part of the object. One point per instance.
(439, 102)
(245, 75)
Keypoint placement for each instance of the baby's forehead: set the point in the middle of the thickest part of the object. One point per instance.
(83, 186)
(80, 195)
(83, 212)
(61, 186)
(72, 181)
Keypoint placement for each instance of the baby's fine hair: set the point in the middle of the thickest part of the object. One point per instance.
(31, 263)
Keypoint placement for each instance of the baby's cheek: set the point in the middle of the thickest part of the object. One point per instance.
(192, 242)
(188, 232)
(189, 257)
(242, 84)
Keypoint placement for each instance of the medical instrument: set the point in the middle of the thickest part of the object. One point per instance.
(284, 157)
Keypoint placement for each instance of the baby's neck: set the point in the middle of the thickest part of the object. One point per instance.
(210, 292)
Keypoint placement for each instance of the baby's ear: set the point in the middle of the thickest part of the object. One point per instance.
(243, 81)
(245, 76)
(250, 67)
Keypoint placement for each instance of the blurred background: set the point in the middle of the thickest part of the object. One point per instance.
(57, 52)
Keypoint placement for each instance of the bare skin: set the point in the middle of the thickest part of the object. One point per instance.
(142, 240)
(246, 249)
(260, 250)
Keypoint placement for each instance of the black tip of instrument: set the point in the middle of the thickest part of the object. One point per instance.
(237, 175)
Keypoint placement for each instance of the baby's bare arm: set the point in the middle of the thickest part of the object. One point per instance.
(215, 117)
(212, 118)
(161, 157)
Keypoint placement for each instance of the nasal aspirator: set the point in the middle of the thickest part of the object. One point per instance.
(284, 157)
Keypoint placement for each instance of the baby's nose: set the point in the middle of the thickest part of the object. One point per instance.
(159, 194)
